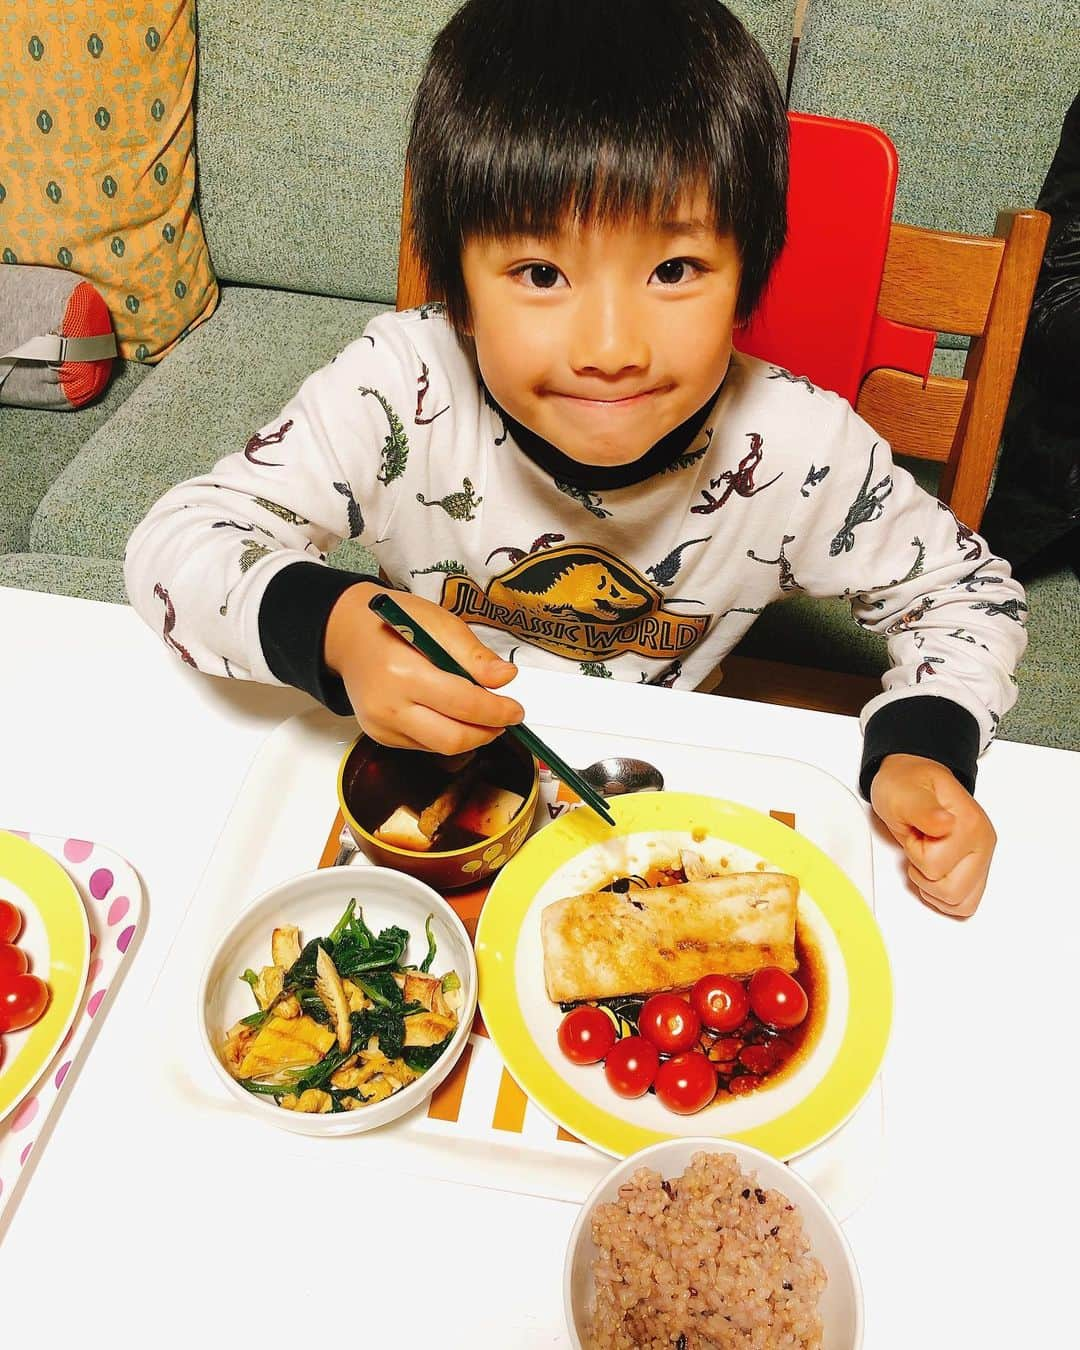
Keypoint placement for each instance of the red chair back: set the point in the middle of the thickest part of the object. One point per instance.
(819, 314)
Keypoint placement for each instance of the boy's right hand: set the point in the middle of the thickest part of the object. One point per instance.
(398, 696)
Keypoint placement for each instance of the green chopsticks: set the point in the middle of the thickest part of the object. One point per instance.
(407, 627)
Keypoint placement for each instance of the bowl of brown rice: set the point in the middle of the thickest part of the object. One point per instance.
(707, 1244)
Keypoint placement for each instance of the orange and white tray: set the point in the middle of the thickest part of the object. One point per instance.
(479, 1127)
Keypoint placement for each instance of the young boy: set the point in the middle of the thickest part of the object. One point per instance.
(569, 458)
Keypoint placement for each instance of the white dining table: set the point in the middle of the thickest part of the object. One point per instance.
(132, 1231)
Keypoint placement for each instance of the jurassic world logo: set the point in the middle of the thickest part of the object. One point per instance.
(578, 601)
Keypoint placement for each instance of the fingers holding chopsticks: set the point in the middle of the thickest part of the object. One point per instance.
(400, 698)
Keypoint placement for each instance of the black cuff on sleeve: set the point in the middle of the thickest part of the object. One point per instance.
(935, 728)
(292, 624)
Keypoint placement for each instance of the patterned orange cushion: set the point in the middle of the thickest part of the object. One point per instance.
(97, 162)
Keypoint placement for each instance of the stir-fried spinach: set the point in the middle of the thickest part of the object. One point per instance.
(381, 987)
(370, 961)
(353, 948)
(419, 1058)
(425, 965)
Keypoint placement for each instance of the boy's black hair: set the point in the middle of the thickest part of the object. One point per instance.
(530, 109)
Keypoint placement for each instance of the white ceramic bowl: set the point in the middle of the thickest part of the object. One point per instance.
(314, 902)
(841, 1304)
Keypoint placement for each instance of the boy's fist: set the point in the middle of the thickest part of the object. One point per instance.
(398, 696)
(945, 833)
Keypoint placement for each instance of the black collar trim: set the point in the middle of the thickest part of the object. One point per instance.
(598, 477)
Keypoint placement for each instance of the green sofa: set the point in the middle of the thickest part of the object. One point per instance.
(301, 120)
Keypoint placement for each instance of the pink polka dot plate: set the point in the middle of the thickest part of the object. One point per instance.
(82, 906)
(56, 937)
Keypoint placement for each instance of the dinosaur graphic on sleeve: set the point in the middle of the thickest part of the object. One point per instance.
(927, 667)
(739, 480)
(257, 442)
(591, 501)
(243, 527)
(596, 669)
(787, 575)
(962, 635)
(667, 569)
(1012, 608)
(395, 448)
(282, 512)
(910, 616)
(356, 519)
(457, 505)
(169, 623)
(249, 556)
(869, 504)
(915, 570)
(964, 536)
(976, 578)
(423, 383)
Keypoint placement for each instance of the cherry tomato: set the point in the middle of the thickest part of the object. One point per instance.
(631, 1066)
(22, 1001)
(776, 998)
(586, 1035)
(720, 1001)
(12, 962)
(686, 1083)
(670, 1023)
(10, 921)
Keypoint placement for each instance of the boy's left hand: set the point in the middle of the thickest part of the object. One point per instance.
(945, 833)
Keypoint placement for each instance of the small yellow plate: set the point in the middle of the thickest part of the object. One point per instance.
(578, 850)
(56, 937)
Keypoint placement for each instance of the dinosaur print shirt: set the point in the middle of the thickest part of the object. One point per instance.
(783, 490)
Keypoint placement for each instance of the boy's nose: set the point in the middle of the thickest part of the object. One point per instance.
(607, 337)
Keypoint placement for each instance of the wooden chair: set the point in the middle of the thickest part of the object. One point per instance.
(929, 282)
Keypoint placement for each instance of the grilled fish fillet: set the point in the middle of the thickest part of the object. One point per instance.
(602, 944)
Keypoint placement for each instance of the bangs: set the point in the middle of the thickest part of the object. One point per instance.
(535, 112)
(540, 184)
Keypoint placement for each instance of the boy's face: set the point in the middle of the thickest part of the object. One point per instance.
(604, 339)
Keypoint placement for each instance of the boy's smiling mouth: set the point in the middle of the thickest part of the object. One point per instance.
(626, 401)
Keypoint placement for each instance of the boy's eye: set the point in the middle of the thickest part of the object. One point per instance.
(538, 276)
(674, 270)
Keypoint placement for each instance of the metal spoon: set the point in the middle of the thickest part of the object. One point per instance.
(617, 774)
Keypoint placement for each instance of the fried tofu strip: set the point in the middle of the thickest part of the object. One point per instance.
(603, 944)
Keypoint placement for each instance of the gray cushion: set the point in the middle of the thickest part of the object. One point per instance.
(35, 446)
(973, 95)
(84, 578)
(204, 400)
(301, 124)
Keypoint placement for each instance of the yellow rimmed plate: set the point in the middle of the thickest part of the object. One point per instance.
(576, 852)
(56, 937)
